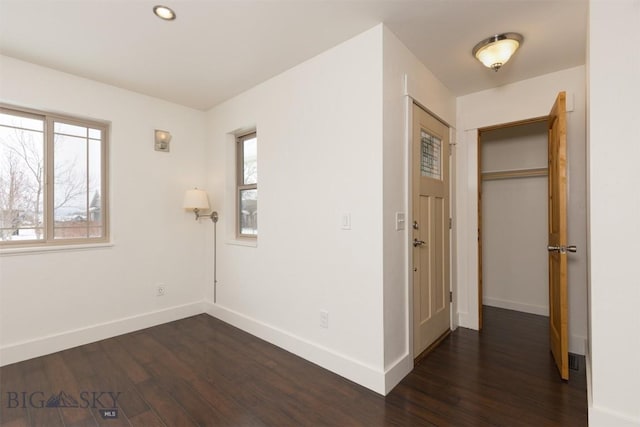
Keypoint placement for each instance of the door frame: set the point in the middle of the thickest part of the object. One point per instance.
(482, 130)
(453, 321)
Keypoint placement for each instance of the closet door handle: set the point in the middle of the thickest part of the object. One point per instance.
(562, 249)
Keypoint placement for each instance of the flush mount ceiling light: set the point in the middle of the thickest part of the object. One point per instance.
(163, 12)
(496, 50)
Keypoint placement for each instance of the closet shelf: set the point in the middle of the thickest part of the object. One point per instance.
(517, 173)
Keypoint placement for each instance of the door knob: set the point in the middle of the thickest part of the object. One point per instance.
(417, 243)
(562, 249)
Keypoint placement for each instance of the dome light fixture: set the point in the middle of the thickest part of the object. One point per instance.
(164, 12)
(496, 50)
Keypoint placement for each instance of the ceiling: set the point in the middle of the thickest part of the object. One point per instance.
(216, 49)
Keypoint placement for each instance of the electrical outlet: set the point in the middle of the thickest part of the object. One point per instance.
(324, 319)
(161, 290)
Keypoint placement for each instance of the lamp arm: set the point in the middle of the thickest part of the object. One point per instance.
(213, 216)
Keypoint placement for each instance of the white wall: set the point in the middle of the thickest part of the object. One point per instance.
(515, 272)
(518, 101)
(404, 78)
(321, 147)
(324, 149)
(319, 129)
(614, 210)
(55, 300)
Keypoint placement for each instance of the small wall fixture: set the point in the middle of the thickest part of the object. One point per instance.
(496, 50)
(162, 139)
(196, 200)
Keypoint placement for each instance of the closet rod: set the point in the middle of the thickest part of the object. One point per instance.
(519, 173)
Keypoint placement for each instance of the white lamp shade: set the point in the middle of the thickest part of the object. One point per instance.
(498, 52)
(162, 136)
(196, 199)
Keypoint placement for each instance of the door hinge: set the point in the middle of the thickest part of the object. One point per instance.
(450, 223)
(450, 296)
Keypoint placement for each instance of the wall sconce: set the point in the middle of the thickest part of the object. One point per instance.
(496, 50)
(196, 200)
(162, 139)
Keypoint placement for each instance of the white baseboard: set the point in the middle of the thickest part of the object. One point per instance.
(398, 370)
(18, 352)
(517, 306)
(358, 372)
(601, 417)
(465, 320)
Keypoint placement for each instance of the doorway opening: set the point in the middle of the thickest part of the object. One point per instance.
(508, 243)
(513, 216)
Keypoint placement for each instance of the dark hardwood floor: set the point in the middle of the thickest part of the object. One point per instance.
(201, 371)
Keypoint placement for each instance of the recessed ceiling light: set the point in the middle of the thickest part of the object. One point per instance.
(163, 12)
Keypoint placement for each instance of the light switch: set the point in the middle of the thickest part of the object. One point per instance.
(345, 221)
(400, 221)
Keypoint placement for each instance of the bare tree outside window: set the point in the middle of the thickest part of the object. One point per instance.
(51, 178)
(77, 172)
(21, 177)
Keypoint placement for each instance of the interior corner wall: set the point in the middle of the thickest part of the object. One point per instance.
(405, 77)
(319, 128)
(518, 101)
(614, 209)
(58, 299)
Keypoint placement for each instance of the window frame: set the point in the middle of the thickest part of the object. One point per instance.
(240, 185)
(48, 224)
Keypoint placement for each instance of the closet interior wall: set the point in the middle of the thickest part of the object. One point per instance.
(514, 217)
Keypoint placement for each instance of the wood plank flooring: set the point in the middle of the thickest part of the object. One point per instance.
(201, 371)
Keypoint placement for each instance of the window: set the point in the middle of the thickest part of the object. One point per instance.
(430, 147)
(52, 179)
(247, 179)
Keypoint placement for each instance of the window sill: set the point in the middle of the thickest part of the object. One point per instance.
(53, 248)
(251, 243)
